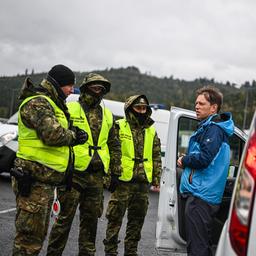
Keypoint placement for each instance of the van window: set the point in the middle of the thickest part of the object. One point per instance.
(186, 127)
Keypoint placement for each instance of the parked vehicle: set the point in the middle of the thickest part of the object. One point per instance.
(9, 131)
(239, 231)
(8, 143)
(170, 230)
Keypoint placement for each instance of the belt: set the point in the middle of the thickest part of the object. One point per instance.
(93, 148)
(139, 160)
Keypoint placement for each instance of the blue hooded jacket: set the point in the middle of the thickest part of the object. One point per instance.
(207, 162)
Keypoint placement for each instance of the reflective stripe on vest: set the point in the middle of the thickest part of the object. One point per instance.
(128, 154)
(84, 153)
(33, 149)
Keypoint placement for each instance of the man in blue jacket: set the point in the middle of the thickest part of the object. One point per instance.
(205, 169)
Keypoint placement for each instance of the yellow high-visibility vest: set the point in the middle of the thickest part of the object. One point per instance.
(33, 149)
(84, 152)
(128, 153)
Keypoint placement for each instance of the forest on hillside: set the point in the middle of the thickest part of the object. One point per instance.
(241, 102)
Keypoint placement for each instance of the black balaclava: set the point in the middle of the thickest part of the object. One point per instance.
(141, 117)
(88, 96)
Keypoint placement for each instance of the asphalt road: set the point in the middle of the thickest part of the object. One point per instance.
(7, 229)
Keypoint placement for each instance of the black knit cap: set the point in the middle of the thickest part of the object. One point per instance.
(62, 75)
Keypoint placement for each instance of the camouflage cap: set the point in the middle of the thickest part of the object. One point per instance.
(136, 100)
(94, 78)
(140, 102)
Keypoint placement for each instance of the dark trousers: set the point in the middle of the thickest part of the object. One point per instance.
(199, 217)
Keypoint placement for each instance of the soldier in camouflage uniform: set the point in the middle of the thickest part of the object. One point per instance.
(93, 160)
(141, 165)
(43, 156)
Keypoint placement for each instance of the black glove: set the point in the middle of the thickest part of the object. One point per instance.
(114, 182)
(81, 136)
(24, 180)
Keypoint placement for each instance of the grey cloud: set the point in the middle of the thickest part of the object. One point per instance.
(184, 38)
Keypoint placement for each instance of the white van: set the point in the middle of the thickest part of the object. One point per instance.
(9, 131)
(170, 230)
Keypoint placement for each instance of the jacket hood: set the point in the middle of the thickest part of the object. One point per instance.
(130, 101)
(130, 115)
(46, 88)
(29, 89)
(223, 120)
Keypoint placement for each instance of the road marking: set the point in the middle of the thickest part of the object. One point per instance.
(9, 210)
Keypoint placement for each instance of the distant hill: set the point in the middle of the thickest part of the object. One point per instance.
(165, 90)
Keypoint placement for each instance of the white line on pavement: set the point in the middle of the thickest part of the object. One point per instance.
(9, 210)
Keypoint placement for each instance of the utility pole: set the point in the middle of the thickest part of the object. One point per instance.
(245, 107)
(12, 101)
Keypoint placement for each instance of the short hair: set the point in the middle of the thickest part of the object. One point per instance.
(212, 94)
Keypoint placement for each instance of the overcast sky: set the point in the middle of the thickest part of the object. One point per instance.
(187, 39)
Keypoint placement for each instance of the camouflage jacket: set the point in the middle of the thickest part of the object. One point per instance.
(94, 117)
(38, 114)
(138, 133)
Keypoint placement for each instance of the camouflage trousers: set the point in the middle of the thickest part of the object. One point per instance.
(32, 219)
(90, 201)
(134, 198)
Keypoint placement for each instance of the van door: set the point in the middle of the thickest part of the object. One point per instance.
(170, 229)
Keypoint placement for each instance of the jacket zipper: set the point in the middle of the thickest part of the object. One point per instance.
(191, 176)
